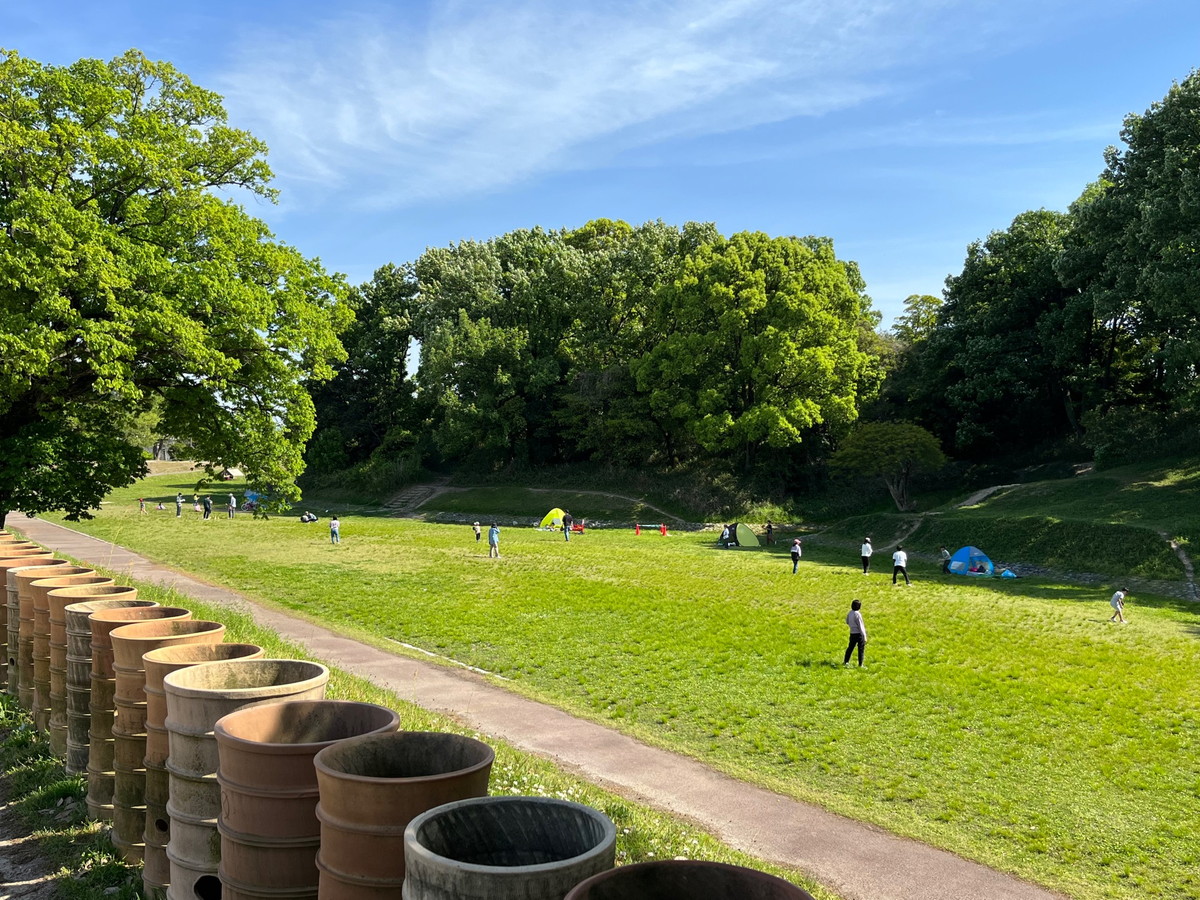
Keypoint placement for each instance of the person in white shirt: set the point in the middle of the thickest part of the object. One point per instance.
(858, 633)
(1118, 604)
(900, 565)
(866, 551)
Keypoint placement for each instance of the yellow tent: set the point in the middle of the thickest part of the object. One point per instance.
(553, 519)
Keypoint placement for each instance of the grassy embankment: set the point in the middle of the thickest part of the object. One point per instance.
(1004, 720)
(52, 806)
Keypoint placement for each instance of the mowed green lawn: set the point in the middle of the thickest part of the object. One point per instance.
(1004, 720)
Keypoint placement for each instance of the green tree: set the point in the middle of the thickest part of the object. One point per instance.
(760, 343)
(919, 319)
(894, 451)
(1007, 343)
(1132, 257)
(128, 273)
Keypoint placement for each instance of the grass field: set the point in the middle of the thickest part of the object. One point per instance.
(1004, 720)
(52, 803)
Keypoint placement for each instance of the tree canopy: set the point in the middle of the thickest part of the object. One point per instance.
(130, 277)
(894, 451)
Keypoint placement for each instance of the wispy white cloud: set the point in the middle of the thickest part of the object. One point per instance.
(392, 108)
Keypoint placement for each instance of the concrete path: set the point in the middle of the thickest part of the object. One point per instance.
(858, 861)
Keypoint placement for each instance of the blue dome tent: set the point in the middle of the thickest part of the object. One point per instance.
(971, 561)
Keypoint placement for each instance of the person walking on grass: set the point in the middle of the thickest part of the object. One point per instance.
(795, 555)
(900, 566)
(858, 633)
(494, 541)
(866, 552)
(1118, 604)
(478, 531)
(335, 530)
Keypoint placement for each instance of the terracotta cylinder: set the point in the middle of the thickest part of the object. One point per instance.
(101, 742)
(79, 604)
(22, 578)
(130, 643)
(11, 556)
(27, 559)
(371, 787)
(156, 872)
(42, 637)
(503, 848)
(196, 698)
(268, 822)
(58, 651)
(685, 879)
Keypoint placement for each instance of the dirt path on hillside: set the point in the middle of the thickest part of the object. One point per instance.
(436, 489)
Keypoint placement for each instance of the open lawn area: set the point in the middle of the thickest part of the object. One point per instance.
(1004, 720)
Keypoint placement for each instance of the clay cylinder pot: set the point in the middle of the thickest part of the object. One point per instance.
(196, 698)
(371, 787)
(80, 603)
(101, 742)
(43, 636)
(129, 643)
(504, 848)
(12, 556)
(268, 822)
(685, 879)
(20, 625)
(58, 652)
(160, 662)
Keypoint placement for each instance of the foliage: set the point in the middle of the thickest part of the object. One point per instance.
(128, 277)
(637, 347)
(983, 723)
(894, 451)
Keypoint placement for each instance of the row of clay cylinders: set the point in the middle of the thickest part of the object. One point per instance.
(103, 707)
(14, 559)
(159, 663)
(196, 698)
(78, 604)
(130, 643)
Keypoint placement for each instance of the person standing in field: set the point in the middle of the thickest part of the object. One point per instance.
(207, 506)
(866, 552)
(478, 531)
(232, 505)
(142, 505)
(662, 529)
(567, 520)
(1118, 604)
(900, 566)
(178, 504)
(796, 551)
(335, 530)
(858, 633)
(494, 541)
(770, 532)
(637, 529)
(944, 555)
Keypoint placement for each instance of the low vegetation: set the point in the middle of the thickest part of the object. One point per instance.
(1004, 720)
(51, 803)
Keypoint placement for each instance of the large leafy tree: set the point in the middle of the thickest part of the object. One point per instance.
(893, 451)
(760, 344)
(129, 274)
(998, 365)
(1133, 257)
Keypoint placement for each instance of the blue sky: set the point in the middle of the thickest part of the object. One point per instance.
(902, 130)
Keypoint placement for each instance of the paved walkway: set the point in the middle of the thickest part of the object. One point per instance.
(858, 861)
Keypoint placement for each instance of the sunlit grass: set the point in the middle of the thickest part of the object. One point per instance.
(1006, 721)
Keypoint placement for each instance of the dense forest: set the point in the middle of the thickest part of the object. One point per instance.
(654, 346)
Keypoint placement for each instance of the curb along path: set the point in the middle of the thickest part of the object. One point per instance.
(859, 862)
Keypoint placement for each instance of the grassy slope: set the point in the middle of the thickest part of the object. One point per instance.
(1006, 720)
(1108, 522)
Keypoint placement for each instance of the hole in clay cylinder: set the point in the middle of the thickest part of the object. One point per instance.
(207, 887)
